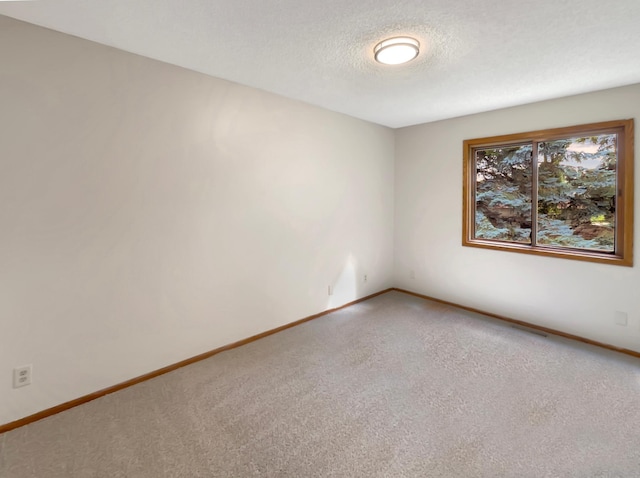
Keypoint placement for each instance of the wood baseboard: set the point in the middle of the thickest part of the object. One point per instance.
(525, 324)
(170, 368)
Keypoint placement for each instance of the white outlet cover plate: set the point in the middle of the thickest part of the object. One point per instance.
(22, 376)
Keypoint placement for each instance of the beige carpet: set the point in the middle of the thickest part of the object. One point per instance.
(392, 387)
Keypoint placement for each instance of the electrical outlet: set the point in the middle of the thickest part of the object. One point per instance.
(330, 290)
(620, 318)
(22, 376)
(365, 278)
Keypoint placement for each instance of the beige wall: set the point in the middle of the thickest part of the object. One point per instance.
(570, 296)
(150, 213)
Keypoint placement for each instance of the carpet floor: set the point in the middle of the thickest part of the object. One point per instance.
(395, 386)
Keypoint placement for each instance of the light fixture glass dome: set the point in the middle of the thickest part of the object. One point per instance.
(397, 50)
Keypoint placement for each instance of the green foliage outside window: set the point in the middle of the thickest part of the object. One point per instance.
(575, 191)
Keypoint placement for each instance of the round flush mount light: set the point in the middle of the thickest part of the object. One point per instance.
(397, 50)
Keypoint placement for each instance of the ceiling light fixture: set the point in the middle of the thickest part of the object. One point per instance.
(397, 50)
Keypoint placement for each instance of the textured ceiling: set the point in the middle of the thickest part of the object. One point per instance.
(478, 55)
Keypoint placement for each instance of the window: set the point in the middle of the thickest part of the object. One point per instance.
(564, 192)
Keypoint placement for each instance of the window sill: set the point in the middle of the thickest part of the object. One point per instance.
(549, 251)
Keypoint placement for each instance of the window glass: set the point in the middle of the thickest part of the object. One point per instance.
(503, 193)
(577, 192)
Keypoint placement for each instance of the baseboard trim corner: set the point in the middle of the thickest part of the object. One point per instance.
(170, 368)
(522, 323)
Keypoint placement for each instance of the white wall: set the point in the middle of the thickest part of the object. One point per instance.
(149, 214)
(570, 296)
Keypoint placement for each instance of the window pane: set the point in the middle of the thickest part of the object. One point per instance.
(577, 192)
(503, 193)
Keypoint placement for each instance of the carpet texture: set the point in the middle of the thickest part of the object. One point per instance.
(392, 387)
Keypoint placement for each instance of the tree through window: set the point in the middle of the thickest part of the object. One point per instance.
(566, 192)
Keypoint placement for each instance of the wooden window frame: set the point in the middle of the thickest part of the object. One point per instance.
(623, 249)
